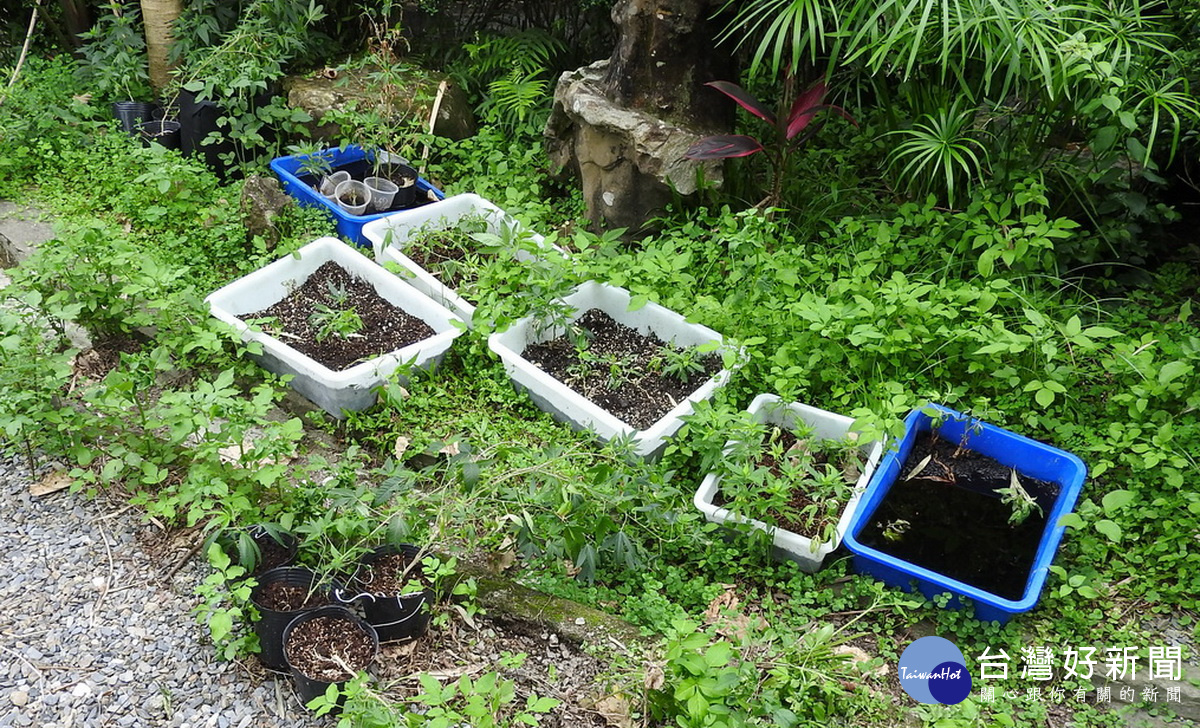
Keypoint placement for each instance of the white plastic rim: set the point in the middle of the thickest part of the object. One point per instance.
(565, 404)
(350, 389)
(330, 184)
(390, 235)
(382, 191)
(345, 188)
(769, 409)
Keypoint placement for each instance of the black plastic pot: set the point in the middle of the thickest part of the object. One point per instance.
(199, 119)
(132, 113)
(308, 687)
(165, 132)
(272, 623)
(404, 176)
(394, 616)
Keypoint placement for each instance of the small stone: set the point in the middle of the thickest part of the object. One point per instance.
(580, 621)
(19, 698)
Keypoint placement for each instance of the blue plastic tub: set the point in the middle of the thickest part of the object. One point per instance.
(348, 226)
(1027, 457)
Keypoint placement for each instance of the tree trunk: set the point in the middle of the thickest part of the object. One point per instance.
(665, 54)
(158, 16)
(77, 18)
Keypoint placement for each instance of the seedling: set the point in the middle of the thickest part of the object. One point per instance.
(1018, 499)
(618, 370)
(550, 317)
(681, 364)
(895, 530)
(315, 164)
(337, 293)
(328, 321)
(801, 486)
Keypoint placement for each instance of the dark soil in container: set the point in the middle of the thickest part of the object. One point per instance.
(618, 370)
(385, 328)
(323, 647)
(386, 576)
(352, 198)
(282, 597)
(949, 518)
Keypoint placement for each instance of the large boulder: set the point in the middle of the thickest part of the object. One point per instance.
(411, 95)
(628, 161)
(262, 201)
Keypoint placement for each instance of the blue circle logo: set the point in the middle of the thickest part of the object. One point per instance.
(932, 670)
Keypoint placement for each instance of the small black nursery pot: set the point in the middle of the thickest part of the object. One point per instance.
(392, 605)
(132, 113)
(321, 644)
(282, 595)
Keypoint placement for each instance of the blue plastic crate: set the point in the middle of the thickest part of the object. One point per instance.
(348, 226)
(1028, 457)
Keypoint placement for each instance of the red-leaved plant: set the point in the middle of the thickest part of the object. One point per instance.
(791, 131)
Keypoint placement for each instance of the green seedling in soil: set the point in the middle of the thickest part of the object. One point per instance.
(680, 364)
(618, 370)
(895, 530)
(329, 321)
(1018, 499)
(801, 486)
(337, 293)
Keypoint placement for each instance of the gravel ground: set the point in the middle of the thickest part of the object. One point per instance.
(88, 642)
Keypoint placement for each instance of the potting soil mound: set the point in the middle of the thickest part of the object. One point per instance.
(300, 317)
(323, 647)
(949, 518)
(620, 369)
(282, 597)
(389, 575)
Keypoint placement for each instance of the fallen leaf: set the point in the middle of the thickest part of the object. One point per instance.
(501, 561)
(861, 659)
(655, 678)
(724, 614)
(454, 673)
(450, 448)
(727, 599)
(54, 481)
(466, 617)
(401, 649)
(235, 455)
(615, 710)
(920, 466)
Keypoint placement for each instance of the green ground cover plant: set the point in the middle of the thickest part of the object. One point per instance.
(863, 303)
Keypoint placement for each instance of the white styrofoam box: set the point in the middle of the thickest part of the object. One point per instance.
(768, 409)
(353, 388)
(570, 406)
(389, 236)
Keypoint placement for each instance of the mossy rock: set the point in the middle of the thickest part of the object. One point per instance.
(411, 96)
